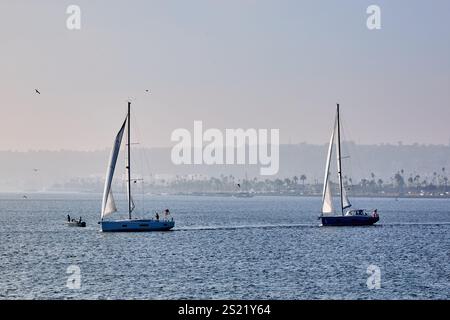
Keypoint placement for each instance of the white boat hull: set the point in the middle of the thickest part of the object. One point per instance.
(136, 225)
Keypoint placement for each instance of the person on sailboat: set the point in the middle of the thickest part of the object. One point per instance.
(157, 216)
(166, 214)
(68, 218)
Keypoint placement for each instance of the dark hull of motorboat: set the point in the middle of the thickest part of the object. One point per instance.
(76, 224)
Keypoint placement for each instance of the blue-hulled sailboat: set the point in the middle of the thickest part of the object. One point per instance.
(346, 215)
(108, 203)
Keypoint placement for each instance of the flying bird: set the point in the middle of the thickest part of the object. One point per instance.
(35, 170)
(148, 91)
(37, 91)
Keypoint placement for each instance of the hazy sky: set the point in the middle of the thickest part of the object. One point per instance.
(251, 64)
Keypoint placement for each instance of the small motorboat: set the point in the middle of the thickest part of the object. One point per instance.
(76, 223)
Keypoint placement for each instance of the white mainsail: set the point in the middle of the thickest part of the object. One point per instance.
(327, 197)
(130, 199)
(345, 201)
(131, 205)
(108, 204)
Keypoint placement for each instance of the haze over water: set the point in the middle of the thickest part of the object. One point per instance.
(231, 64)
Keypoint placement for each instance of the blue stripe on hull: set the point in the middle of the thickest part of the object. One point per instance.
(136, 225)
(349, 221)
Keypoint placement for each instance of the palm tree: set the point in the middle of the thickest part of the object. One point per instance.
(303, 178)
(278, 184)
(425, 182)
(410, 181)
(399, 181)
(417, 181)
(364, 183)
(380, 183)
(287, 182)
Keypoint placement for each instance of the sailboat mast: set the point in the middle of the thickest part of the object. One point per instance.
(129, 161)
(339, 159)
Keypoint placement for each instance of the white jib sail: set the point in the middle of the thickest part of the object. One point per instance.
(108, 204)
(327, 198)
(327, 206)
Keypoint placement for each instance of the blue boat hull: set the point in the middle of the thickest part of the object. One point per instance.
(349, 220)
(137, 225)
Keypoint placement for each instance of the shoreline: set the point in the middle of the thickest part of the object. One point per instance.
(20, 194)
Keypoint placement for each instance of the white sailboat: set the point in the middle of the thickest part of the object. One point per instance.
(108, 203)
(352, 217)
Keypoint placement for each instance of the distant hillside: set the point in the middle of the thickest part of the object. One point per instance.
(37, 170)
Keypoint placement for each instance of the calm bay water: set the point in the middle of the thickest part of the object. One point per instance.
(224, 248)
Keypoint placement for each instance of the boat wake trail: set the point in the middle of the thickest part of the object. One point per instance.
(265, 226)
(393, 224)
(289, 226)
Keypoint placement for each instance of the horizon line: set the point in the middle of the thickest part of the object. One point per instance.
(102, 149)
